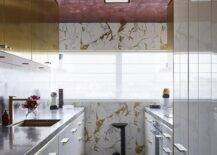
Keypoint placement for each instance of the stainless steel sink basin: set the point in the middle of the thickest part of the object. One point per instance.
(37, 123)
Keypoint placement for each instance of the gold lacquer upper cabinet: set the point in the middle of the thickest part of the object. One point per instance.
(45, 30)
(17, 27)
(45, 42)
(170, 25)
(1, 24)
(18, 11)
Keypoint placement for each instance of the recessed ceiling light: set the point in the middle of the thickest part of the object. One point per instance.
(48, 62)
(25, 63)
(117, 1)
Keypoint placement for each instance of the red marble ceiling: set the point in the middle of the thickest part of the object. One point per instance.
(98, 11)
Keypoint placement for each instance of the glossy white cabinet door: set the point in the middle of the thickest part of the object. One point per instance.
(51, 148)
(78, 135)
(67, 144)
(149, 138)
(71, 140)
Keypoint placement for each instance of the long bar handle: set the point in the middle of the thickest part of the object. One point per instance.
(167, 135)
(64, 140)
(52, 153)
(180, 147)
(74, 130)
(167, 150)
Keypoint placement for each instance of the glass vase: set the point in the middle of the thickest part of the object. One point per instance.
(31, 113)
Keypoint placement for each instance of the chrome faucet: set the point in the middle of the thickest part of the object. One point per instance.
(11, 100)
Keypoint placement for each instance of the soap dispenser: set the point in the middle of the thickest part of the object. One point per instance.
(5, 119)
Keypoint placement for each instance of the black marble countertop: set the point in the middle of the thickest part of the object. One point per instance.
(159, 115)
(15, 140)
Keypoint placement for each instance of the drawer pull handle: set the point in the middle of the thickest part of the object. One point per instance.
(65, 140)
(149, 121)
(180, 147)
(80, 139)
(74, 130)
(53, 153)
(159, 136)
(167, 150)
(167, 135)
(149, 141)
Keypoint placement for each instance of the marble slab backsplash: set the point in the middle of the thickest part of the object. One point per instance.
(102, 138)
(112, 36)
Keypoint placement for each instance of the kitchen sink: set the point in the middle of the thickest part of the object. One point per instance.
(37, 123)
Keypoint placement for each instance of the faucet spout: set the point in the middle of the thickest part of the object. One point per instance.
(11, 100)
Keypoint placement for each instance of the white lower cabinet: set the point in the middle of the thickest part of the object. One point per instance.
(158, 137)
(51, 148)
(149, 136)
(70, 141)
(79, 135)
(66, 142)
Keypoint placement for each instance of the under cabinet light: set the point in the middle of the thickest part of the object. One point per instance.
(25, 63)
(48, 62)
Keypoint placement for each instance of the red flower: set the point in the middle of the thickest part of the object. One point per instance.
(31, 102)
(34, 97)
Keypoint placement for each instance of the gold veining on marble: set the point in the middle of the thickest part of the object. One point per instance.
(113, 36)
(102, 138)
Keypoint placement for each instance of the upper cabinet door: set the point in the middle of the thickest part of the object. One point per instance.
(170, 27)
(1, 23)
(18, 39)
(17, 28)
(17, 11)
(29, 27)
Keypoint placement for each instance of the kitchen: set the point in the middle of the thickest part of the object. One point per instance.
(108, 77)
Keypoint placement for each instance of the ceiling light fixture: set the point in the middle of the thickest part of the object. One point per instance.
(117, 1)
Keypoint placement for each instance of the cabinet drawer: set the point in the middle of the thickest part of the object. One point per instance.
(70, 141)
(78, 125)
(166, 151)
(70, 137)
(66, 141)
(167, 137)
(148, 117)
(51, 148)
